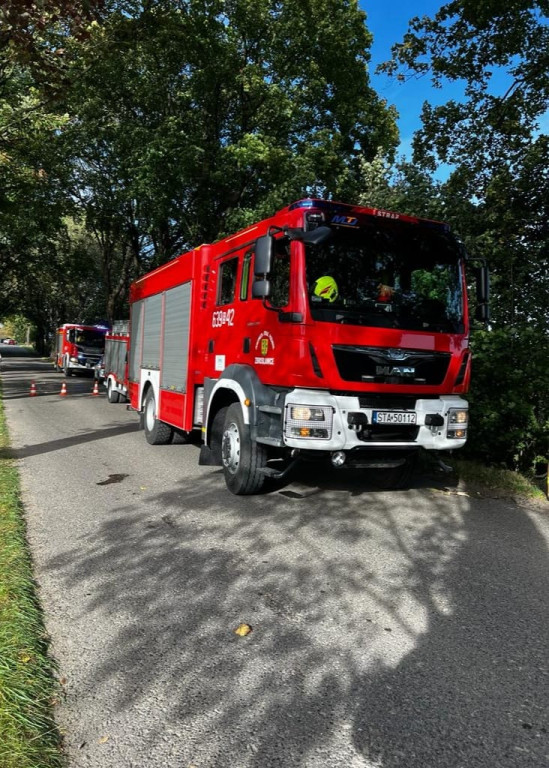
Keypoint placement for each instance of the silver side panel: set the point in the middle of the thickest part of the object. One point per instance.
(115, 357)
(176, 338)
(135, 344)
(151, 335)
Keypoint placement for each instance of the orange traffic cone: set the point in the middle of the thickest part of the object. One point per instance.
(95, 390)
(33, 391)
(63, 392)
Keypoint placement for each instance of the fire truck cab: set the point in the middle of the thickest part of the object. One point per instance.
(78, 347)
(327, 332)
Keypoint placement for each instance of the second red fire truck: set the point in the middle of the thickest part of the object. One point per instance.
(78, 347)
(327, 332)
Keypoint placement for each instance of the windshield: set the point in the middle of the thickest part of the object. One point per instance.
(95, 339)
(392, 276)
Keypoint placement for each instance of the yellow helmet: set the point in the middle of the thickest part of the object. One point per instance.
(326, 288)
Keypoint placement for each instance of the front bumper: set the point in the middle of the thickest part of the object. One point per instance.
(427, 432)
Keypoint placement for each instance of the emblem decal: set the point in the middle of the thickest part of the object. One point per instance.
(264, 345)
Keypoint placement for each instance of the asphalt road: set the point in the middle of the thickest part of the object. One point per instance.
(404, 629)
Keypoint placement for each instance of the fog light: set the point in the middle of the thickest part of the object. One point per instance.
(458, 434)
(338, 458)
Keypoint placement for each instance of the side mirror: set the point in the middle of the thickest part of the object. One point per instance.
(317, 236)
(264, 250)
(314, 236)
(261, 289)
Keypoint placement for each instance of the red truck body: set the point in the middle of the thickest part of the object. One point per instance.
(115, 363)
(78, 347)
(328, 331)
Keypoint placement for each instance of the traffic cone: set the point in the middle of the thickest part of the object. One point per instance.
(95, 390)
(63, 392)
(33, 391)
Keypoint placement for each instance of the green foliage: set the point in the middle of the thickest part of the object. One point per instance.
(194, 119)
(468, 42)
(16, 327)
(510, 398)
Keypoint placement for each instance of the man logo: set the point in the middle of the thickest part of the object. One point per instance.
(404, 371)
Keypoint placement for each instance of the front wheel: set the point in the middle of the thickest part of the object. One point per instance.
(156, 432)
(112, 395)
(242, 458)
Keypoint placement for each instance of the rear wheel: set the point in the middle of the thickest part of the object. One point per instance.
(112, 395)
(156, 432)
(242, 458)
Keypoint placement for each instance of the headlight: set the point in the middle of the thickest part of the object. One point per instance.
(308, 421)
(304, 413)
(458, 419)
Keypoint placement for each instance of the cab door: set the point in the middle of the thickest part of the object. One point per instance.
(227, 324)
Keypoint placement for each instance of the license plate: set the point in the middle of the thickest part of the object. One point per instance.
(394, 417)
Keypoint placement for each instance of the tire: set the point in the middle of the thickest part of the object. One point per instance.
(156, 432)
(395, 478)
(112, 395)
(180, 437)
(242, 458)
(66, 370)
(218, 424)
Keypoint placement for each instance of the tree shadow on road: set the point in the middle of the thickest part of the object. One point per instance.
(389, 629)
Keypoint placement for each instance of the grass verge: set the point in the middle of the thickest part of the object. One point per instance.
(502, 481)
(28, 734)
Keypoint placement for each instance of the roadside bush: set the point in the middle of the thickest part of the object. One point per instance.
(509, 398)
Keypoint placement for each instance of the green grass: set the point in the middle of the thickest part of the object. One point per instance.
(28, 734)
(502, 480)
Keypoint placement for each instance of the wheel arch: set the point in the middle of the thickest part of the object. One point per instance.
(222, 397)
(238, 383)
(147, 386)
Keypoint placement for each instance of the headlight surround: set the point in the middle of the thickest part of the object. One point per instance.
(308, 421)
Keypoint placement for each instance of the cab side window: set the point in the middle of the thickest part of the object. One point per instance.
(227, 281)
(245, 279)
(280, 275)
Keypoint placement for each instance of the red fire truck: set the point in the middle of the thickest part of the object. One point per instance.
(78, 347)
(329, 331)
(115, 362)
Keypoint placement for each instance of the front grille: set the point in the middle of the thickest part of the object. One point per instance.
(385, 365)
(92, 358)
